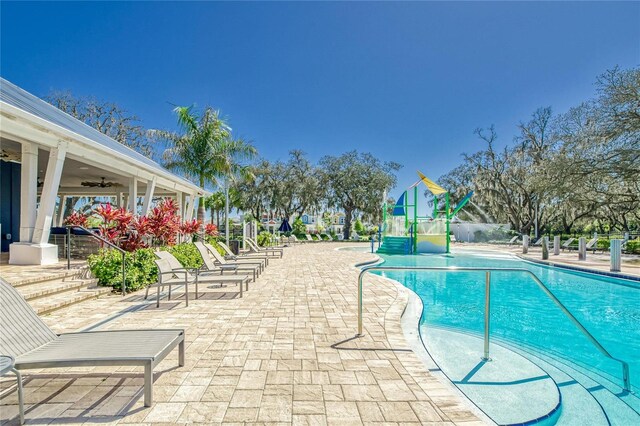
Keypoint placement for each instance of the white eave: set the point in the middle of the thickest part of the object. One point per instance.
(27, 118)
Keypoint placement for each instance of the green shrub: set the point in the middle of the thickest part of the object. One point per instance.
(265, 238)
(187, 254)
(140, 270)
(633, 247)
(214, 242)
(603, 244)
(299, 227)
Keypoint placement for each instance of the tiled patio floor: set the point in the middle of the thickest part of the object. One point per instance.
(272, 357)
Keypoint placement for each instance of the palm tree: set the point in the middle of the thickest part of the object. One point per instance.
(230, 157)
(195, 152)
(215, 203)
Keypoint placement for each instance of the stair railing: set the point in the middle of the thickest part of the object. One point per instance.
(105, 241)
(626, 380)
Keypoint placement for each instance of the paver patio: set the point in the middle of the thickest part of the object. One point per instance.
(274, 356)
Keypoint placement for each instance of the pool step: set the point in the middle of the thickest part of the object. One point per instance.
(619, 407)
(510, 389)
(395, 245)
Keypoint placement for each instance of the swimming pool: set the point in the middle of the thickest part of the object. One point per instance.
(525, 321)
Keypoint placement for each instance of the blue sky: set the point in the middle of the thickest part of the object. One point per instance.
(408, 82)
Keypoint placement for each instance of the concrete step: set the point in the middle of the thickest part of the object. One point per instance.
(28, 278)
(53, 302)
(37, 290)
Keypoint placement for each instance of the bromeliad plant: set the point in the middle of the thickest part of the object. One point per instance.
(159, 228)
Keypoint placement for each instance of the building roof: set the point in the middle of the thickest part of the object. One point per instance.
(21, 99)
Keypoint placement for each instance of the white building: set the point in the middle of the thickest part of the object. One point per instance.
(48, 156)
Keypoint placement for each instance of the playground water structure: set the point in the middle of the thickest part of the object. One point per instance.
(405, 232)
(542, 369)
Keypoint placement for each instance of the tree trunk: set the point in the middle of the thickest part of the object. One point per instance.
(211, 218)
(200, 215)
(218, 218)
(347, 224)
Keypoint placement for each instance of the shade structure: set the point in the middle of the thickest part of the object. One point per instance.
(284, 226)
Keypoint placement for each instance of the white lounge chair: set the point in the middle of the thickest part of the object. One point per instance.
(195, 275)
(206, 251)
(35, 346)
(567, 244)
(513, 240)
(251, 256)
(256, 262)
(253, 247)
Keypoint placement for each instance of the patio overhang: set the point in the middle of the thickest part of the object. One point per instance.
(59, 157)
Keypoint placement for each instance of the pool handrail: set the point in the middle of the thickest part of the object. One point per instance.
(625, 366)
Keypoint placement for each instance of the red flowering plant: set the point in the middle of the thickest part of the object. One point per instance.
(76, 218)
(190, 227)
(211, 230)
(115, 223)
(164, 222)
(138, 229)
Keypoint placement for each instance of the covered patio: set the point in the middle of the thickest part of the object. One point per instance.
(49, 160)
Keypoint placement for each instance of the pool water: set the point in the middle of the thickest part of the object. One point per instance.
(523, 316)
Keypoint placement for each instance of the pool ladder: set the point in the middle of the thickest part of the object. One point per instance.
(626, 380)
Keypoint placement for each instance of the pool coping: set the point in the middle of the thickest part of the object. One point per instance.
(581, 269)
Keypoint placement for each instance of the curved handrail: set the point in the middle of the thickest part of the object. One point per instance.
(625, 366)
(104, 240)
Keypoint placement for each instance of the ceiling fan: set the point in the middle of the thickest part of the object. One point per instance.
(101, 184)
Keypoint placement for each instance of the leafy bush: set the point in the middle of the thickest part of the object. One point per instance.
(214, 242)
(603, 244)
(187, 254)
(140, 270)
(264, 238)
(358, 227)
(298, 227)
(633, 247)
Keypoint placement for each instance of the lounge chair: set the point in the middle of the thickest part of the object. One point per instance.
(195, 275)
(253, 247)
(206, 251)
(296, 240)
(34, 345)
(251, 256)
(310, 238)
(567, 244)
(592, 245)
(255, 262)
(537, 242)
(513, 240)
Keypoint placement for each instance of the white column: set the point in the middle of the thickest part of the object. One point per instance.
(133, 195)
(148, 196)
(49, 194)
(58, 218)
(28, 190)
(188, 207)
(180, 202)
(196, 202)
(120, 199)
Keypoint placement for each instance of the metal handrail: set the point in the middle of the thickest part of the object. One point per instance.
(625, 366)
(104, 240)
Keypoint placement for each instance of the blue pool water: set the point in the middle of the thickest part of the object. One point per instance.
(522, 315)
